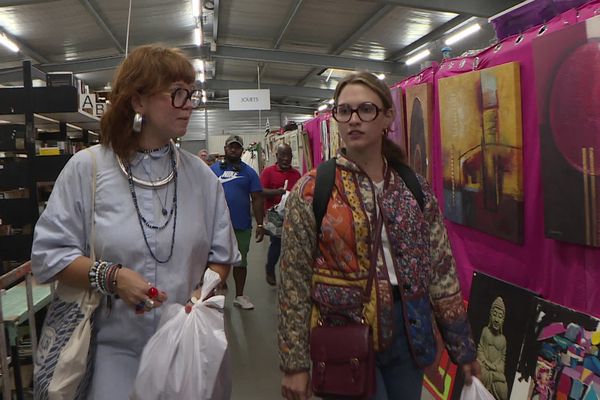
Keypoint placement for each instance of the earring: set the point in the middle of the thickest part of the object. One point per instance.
(137, 122)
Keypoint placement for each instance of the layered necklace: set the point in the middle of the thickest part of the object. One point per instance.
(154, 185)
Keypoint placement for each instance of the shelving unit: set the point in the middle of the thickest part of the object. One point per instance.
(28, 114)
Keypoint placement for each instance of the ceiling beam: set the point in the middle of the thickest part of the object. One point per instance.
(102, 24)
(432, 36)
(287, 23)
(276, 90)
(362, 28)
(14, 75)
(82, 66)
(281, 34)
(479, 8)
(15, 3)
(299, 58)
(26, 50)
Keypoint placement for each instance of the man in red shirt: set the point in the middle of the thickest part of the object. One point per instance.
(276, 180)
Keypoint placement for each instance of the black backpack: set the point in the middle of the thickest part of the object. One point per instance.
(326, 179)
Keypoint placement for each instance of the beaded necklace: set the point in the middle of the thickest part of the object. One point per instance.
(172, 215)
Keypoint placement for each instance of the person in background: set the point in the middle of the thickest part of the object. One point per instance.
(210, 159)
(276, 180)
(242, 191)
(160, 215)
(415, 279)
(203, 154)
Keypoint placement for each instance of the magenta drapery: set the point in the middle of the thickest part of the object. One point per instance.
(561, 272)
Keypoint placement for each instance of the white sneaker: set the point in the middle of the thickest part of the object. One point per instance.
(243, 302)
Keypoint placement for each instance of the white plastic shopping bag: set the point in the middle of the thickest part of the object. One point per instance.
(476, 391)
(185, 358)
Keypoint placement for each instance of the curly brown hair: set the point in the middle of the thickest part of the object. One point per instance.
(393, 153)
(147, 70)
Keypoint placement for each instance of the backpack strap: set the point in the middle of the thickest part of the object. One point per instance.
(323, 187)
(326, 180)
(412, 182)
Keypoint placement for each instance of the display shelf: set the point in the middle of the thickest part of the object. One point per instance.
(15, 211)
(14, 173)
(47, 168)
(14, 246)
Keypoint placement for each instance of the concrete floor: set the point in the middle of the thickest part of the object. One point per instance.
(253, 334)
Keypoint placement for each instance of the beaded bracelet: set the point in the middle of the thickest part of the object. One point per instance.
(103, 277)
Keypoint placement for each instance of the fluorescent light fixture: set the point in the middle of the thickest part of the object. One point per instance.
(418, 57)
(380, 76)
(8, 43)
(204, 96)
(196, 8)
(198, 36)
(322, 107)
(462, 34)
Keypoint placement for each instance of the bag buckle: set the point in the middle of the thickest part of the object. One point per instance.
(354, 366)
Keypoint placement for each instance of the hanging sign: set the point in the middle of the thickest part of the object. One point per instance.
(249, 99)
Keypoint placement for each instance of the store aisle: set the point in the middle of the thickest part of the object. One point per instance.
(253, 334)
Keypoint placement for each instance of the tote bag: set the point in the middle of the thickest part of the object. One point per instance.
(63, 364)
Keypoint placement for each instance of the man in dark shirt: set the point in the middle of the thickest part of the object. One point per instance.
(276, 180)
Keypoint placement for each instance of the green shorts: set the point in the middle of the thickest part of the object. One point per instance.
(243, 238)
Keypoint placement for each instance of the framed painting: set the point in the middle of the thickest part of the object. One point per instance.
(497, 311)
(419, 123)
(559, 358)
(397, 131)
(567, 64)
(481, 135)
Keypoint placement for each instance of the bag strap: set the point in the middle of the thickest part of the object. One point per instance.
(323, 187)
(92, 234)
(412, 182)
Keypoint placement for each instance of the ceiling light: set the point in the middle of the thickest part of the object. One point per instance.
(8, 43)
(199, 65)
(462, 34)
(380, 76)
(322, 107)
(198, 36)
(418, 57)
(204, 96)
(196, 8)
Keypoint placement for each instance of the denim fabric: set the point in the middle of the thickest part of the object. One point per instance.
(398, 377)
(273, 255)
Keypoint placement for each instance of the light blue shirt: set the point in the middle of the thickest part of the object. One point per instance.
(203, 234)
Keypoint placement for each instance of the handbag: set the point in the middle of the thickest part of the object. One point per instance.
(343, 357)
(63, 363)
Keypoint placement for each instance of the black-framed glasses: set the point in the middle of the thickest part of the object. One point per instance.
(366, 112)
(180, 96)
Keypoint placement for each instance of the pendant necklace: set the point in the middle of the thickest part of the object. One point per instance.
(163, 205)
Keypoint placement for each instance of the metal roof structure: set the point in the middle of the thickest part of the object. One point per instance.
(288, 46)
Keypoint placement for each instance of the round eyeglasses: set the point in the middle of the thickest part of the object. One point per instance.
(180, 96)
(366, 112)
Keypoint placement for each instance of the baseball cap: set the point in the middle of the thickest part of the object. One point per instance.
(234, 139)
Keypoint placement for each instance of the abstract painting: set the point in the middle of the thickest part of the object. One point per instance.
(440, 376)
(559, 359)
(567, 65)
(419, 123)
(397, 130)
(481, 133)
(497, 311)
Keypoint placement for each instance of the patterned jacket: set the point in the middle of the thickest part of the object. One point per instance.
(317, 281)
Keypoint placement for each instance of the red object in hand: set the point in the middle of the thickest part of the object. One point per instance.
(152, 292)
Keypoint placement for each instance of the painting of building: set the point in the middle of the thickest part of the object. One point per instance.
(481, 135)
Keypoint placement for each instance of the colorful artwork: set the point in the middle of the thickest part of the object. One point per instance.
(567, 64)
(334, 137)
(440, 376)
(497, 311)
(559, 359)
(419, 123)
(481, 132)
(397, 130)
